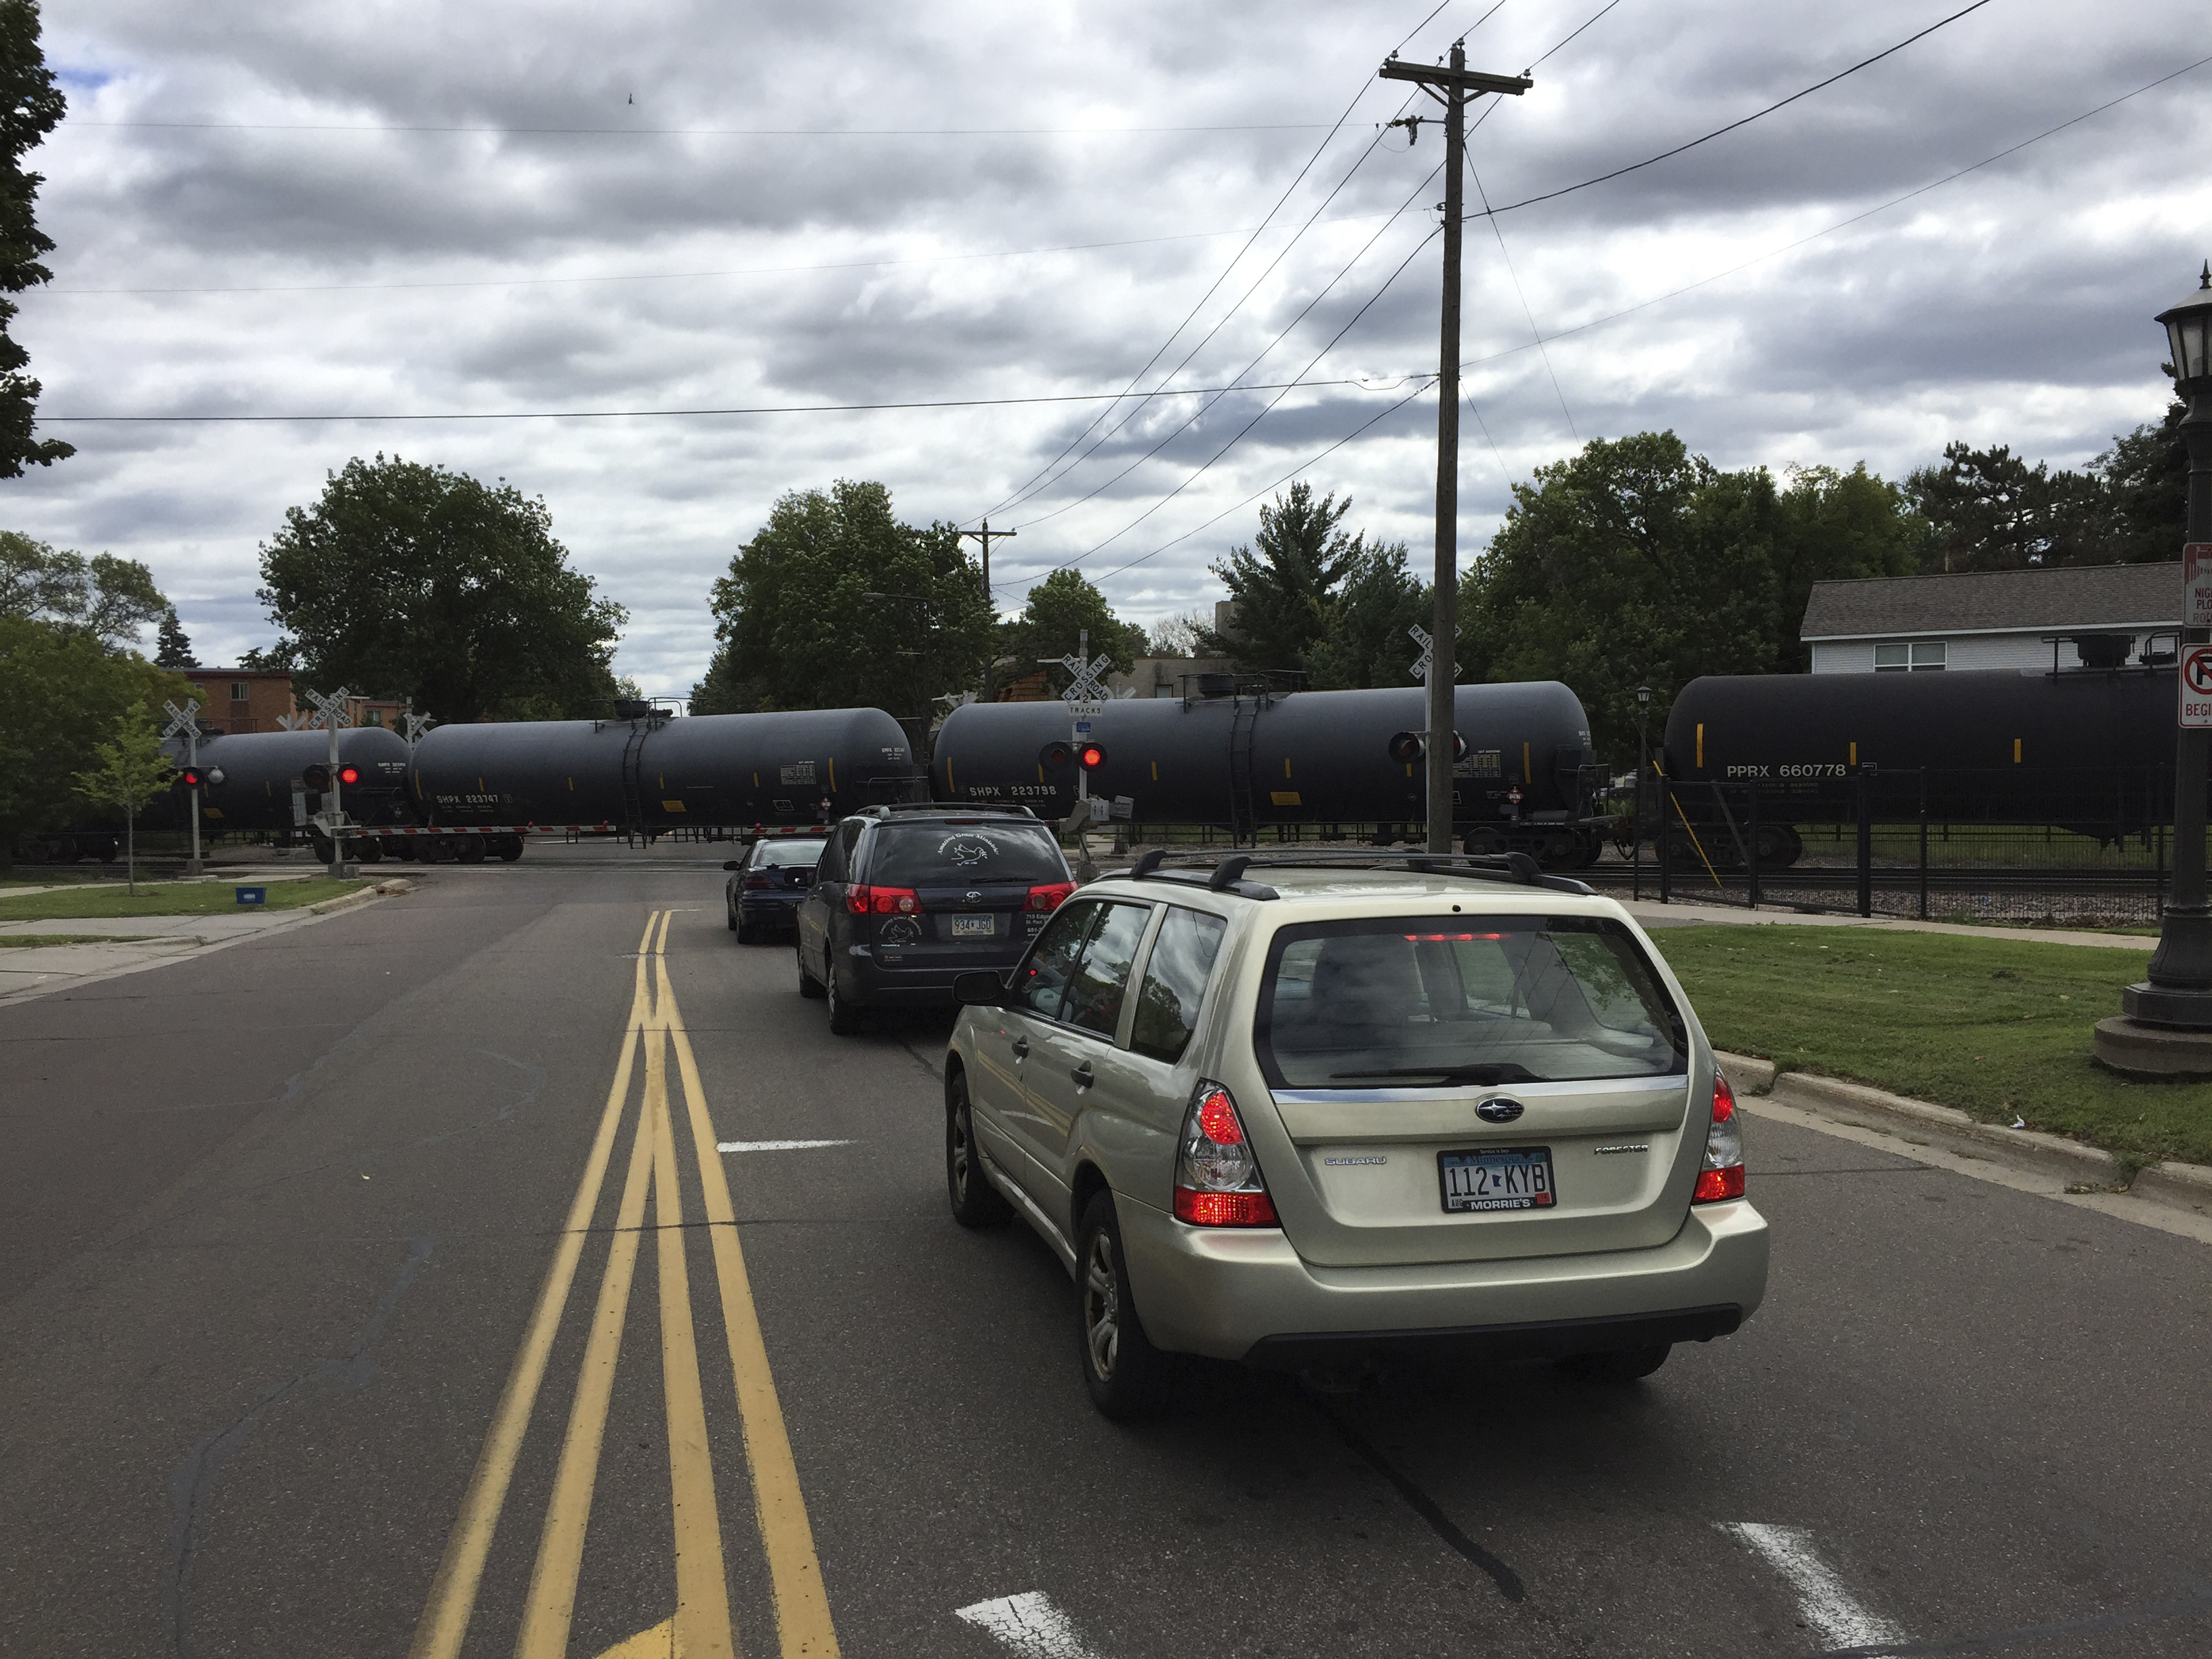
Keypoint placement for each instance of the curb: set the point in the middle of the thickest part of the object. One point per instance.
(2178, 1186)
(366, 895)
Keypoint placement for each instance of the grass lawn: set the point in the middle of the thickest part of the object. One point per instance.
(175, 899)
(1997, 1028)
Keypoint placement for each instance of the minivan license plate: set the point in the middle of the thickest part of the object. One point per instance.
(972, 926)
(1497, 1178)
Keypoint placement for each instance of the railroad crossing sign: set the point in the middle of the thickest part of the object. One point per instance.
(2196, 585)
(416, 726)
(184, 720)
(1428, 653)
(331, 709)
(2197, 685)
(1084, 687)
(1084, 709)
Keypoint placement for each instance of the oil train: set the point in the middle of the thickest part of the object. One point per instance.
(2089, 751)
(2086, 750)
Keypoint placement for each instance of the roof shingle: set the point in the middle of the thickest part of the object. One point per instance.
(1986, 601)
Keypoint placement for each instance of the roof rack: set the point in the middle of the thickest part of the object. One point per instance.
(1227, 874)
(946, 809)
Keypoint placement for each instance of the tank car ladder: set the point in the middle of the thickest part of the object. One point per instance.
(1244, 823)
(633, 783)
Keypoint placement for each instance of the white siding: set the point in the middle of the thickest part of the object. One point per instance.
(1961, 651)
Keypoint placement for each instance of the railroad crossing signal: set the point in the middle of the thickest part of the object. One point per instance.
(1428, 653)
(185, 719)
(1085, 686)
(2196, 686)
(416, 726)
(331, 709)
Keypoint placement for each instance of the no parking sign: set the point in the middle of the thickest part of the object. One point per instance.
(2197, 685)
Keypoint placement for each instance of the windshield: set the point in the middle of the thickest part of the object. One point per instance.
(942, 850)
(794, 854)
(1416, 1002)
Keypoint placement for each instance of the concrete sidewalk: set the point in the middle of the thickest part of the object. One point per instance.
(28, 971)
(1652, 914)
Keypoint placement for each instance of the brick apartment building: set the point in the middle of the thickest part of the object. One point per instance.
(242, 699)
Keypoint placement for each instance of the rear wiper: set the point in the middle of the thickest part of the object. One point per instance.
(1484, 1072)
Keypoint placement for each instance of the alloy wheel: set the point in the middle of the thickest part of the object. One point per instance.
(963, 1152)
(1101, 1305)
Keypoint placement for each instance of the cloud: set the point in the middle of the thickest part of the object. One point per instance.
(568, 172)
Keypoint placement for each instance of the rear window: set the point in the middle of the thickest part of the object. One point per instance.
(791, 855)
(1417, 1002)
(921, 855)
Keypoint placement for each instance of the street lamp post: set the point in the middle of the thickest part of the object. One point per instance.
(2167, 1029)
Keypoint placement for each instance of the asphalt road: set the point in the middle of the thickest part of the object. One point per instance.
(288, 1364)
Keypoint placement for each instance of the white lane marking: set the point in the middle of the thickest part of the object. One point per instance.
(1833, 1613)
(1029, 1626)
(774, 1145)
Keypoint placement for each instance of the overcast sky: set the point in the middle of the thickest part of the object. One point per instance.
(411, 209)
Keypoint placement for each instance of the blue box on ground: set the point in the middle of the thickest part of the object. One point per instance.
(253, 895)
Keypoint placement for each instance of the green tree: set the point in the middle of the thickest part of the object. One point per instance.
(1636, 562)
(1834, 526)
(2146, 476)
(412, 581)
(1285, 585)
(61, 693)
(794, 631)
(107, 599)
(1987, 509)
(132, 771)
(174, 646)
(1051, 624)
(1367, 643)
(31, 107)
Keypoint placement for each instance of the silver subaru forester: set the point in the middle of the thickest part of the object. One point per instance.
(1321, 1112)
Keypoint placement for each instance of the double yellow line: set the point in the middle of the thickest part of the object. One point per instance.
(701, 1625)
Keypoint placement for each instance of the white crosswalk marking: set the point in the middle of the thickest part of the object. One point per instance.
(1029, 1626)
(1831, 1612)
(774, 1145)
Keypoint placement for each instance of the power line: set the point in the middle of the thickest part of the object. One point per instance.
(1842, 224)
(380, 128)
(1309, 460)
(1236, 378)
(1593, 18)
(1520, 294)
(1652, 160)
(1029, 488)
(635, 414)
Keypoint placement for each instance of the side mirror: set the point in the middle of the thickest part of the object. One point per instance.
(733, 864)
(979, 989)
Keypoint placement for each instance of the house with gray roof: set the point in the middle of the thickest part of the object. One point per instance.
(1994, 619)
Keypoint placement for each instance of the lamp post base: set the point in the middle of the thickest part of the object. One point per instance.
(2149, 1004)
(2153, 1054)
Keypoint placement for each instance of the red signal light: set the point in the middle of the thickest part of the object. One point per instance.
(1092, 756)
(349, 775)
(189, 776)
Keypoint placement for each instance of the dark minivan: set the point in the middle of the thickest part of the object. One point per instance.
(907, 898)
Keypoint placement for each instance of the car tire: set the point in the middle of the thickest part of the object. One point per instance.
(844, 1018)
(975, 1201)
(808, 985)
(729, 915)
(1126, 1377)
(1624, 1365)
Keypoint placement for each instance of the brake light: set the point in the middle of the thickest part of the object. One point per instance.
(1048, 896)
(755, 882)
(1217, 1179)
(1722, 1175)
(864, 900)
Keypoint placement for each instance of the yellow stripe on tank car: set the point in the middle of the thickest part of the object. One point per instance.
(951, 787)
(1528, 772)
(1701, 745)
(1855, 754)
(833, 775)
(1286, 765)
(2015, 751)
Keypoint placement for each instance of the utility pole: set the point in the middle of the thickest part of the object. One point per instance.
(991, 652)
(1454, 87)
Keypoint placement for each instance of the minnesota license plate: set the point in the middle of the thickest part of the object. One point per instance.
(973, 927)
(1497, 1178)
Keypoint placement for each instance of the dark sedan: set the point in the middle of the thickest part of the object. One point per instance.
(765, 886)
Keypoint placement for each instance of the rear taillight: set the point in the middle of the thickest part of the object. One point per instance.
(1218, 1180)
(864, 900)
(755, 882)
(1049, 896)
(1722, 1173)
